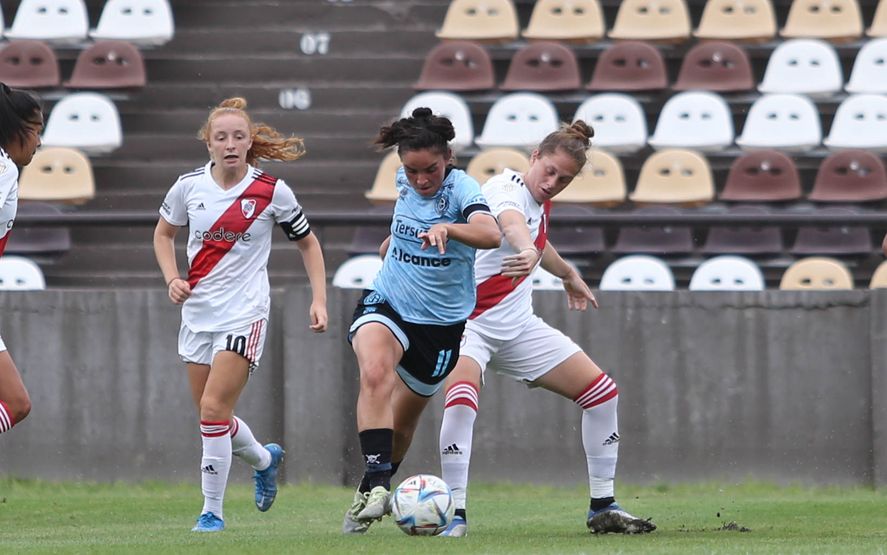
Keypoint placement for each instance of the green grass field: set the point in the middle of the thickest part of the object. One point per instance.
(39, 517)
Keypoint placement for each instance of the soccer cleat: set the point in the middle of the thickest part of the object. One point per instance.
(458, 528)
(208, 522)
(612, 519)
(377, 505)
(351, 525)
(266, 480)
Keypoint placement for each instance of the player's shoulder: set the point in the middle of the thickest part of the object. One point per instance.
(509, 181)
(8, 169)
(194, 176)
(262, 176)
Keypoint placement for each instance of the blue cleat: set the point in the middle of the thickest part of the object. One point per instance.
(612, 519)
(208, 522)
(266, 480)
(458, 528)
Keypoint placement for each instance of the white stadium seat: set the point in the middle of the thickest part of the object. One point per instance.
(869, 75)
(781, 121)
(20, 274)
(357, 272)
(804, 66)
(143, 22)
(449, 105)
(697, 119)
(859, 123)
(62, 21)
(88, 121)
(637, 272)
(618, 120)
(519, 120)
(727, 273)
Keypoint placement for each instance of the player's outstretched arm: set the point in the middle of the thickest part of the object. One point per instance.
(164, 249)
(312, 256)
(517, 234)
(578, 293)
(481, 232)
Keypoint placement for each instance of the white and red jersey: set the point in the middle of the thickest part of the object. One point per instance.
(503, 304)
(8, 197)
(229, 241)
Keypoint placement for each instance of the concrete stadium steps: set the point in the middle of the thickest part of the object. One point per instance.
(358, 38)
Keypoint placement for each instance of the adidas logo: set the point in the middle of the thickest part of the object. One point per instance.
(614, 438)
(201, 206)
(451, 450)
(208, 469)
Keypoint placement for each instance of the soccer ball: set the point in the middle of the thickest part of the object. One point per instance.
(422, 505)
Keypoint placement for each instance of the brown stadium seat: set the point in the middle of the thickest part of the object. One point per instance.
(716, 66)
(41, 243)
(664, 20)
(108, 64)
(457, 66)
(629, 66)
(487, 20)
(29, 64)
(816, 273)
(572, 20)
(762, 176)
(850, 176)
(834, 240)
(544, 67)
(578, 239)
(654, 239)
(749, 20)
(749, 240)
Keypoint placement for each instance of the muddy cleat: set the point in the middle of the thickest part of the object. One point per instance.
(377, 505)
(458, 528)
(266, 480)
(612, 519)
(208, 522)
(351, 525)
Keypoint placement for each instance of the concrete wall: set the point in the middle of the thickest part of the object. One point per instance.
(786, 386)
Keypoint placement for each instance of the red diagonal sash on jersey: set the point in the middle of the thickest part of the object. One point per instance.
(232, 220)
(3, 242)
(495, 288)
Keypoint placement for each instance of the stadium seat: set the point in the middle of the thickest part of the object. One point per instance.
(601, 181)
(825, 19)
(859, 123)
(805, 66)
(57, 174)
(519, 120)
(695, 119)
(879, 21)
(834, 240)
(88, 121)
(45, 243)
(850, 176)
(357, 272)
(143, 22)
(674, 176)
(715, 66)
(816, 273)
(637, 273)
(783, 121)
(543, 66)
(741, 239)
(493, 161)
(869, 75)
(879, 278)
(20, 274)
(568, 20)
(29, 64)
(57, 21)
(751, 20)
(655, 239)
(629, 66)
(457, 66)
(762, 175)
(384, 190)
(618, 120)
(108, 64)
(727, 273)
(487, 20)
(667, 20)
(450, 105)
(577, 240)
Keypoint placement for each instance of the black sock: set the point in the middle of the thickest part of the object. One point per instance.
(598, 503)
(394, 467)
(375, 445)
(461, 512)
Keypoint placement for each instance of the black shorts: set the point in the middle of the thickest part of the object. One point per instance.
(430, 351)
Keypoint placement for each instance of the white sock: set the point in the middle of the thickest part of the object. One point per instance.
(456, 431)
(6, 421)
(245, 446)
(215, 464)
(600, 434)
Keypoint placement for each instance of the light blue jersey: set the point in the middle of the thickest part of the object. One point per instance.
(424, 286)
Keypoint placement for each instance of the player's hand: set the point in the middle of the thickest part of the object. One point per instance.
(318, 318)
(520, 264)
(179, 290)
(436, 236)
(578, 293)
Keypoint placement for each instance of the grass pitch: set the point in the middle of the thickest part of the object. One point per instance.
(39, 517)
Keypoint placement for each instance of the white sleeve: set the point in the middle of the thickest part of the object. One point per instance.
(503, 194)
(288, 212)
(174, 209)
(8, 179)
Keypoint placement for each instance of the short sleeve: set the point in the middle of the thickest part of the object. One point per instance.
(288, 212)
(471, 199)
(174, 209)
(503, 194)
(8, 179)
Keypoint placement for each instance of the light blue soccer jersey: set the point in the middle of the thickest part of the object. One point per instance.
(424, 286)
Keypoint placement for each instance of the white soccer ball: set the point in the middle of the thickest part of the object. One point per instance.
(422, 505)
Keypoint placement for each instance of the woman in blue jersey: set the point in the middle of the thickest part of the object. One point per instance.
(407, 327)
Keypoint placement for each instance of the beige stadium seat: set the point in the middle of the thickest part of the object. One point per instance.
(824, 19)
(483, 20)
(57, 174)
(665, 20)
(601, 181)
(384, 190)
(674, 176)
(492, 161)
(879, 22)
(818, 273)
(752, 20)
(879, 278)
(572, 20)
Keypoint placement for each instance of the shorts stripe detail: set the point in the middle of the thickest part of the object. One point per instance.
(419, 388)
(601, 390)
(234, 427)
(6, 420)
(214, 429)
(255, 336)
(462, 393)
(385, 321)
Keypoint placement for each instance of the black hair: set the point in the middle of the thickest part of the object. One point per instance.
(17, 109)
(422, 130)
(572, 139)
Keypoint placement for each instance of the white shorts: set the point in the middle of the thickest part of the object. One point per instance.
(202, 347)
(532, 354)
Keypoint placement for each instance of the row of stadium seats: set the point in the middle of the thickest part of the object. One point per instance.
(809, 66)
(106, 64)
(145, 22)
(496, 20)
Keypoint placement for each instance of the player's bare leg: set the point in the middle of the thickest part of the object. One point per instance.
(15, 404)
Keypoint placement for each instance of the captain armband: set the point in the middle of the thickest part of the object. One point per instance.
(297, 228)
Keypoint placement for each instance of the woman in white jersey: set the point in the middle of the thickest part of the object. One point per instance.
(231, 209)
(21, 122)
(407, 326)
(504, 335)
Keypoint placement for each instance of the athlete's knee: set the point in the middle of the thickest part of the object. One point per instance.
(376, 376)
(20, 407)
(213, 409)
